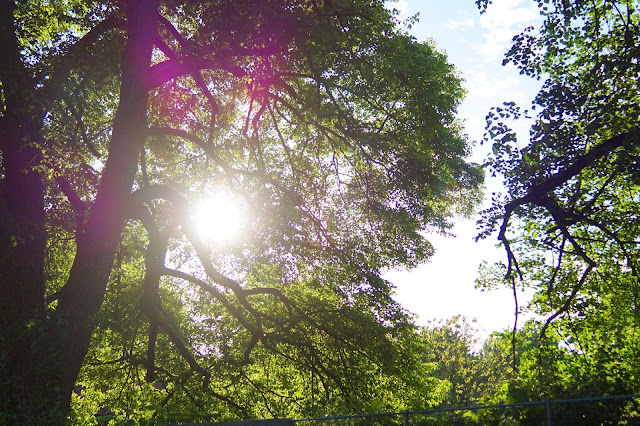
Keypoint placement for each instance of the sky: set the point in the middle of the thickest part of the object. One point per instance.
(475, 44)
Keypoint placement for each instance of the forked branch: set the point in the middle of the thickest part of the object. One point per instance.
(541, 195)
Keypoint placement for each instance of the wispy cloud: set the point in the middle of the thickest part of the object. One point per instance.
(483, 86)
(459, 23)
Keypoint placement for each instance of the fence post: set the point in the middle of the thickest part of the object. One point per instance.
(406, 418)
(548, 404)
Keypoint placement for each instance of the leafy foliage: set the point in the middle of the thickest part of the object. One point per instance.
(568, 221)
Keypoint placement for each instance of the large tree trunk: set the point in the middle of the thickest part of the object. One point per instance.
(22, 233)
(44, 369)
(22, 237)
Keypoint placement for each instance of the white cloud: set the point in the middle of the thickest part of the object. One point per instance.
(442, 288)
(489, 85)
(503, 20)
(401, 6)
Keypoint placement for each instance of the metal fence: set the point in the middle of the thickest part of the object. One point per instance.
(595, 410)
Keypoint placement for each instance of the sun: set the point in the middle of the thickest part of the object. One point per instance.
(217, 219)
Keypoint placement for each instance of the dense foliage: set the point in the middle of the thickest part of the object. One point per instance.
(331, 127)
(565, 365)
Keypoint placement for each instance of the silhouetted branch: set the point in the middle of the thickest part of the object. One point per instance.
(567, 303)
(234, 311)
(197, 75)
(66, 62)
(206, 147)
(536, 193)
(166, 71)
(83, 129)
(78, 204)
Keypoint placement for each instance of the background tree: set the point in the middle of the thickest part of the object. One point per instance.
(334, 129)
(472, 369)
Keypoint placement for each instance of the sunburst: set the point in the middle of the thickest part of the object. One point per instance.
(217, 218)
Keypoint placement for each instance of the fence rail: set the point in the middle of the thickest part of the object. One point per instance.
(405, 417)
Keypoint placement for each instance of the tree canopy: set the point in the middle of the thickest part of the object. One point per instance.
(575, 177)
(332, 128)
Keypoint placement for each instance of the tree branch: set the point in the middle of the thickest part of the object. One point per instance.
(197, 75)
(168, 70)
(207, 148)
(83, 129)
(235, 312)
(186, 353)
(536, 193)
(78, 204)
(567, 303)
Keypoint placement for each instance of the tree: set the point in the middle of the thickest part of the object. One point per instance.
(573, 187)
(334, 128)
(473, 372)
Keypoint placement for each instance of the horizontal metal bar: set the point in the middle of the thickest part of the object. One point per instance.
(471, 408)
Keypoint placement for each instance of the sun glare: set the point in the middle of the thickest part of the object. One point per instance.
(217, 219)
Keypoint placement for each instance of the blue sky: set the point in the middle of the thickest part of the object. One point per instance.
(475, 44)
